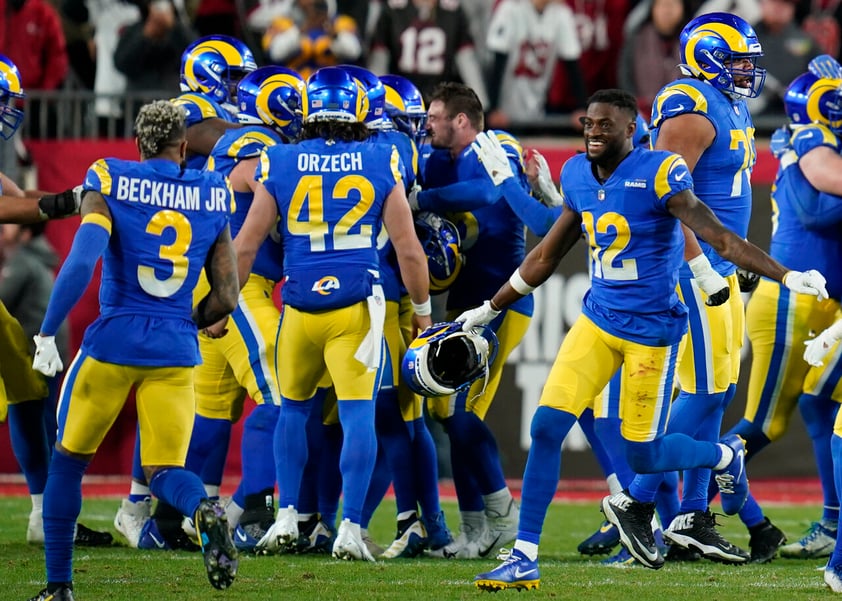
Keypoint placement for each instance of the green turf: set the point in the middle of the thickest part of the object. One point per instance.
(122, 573)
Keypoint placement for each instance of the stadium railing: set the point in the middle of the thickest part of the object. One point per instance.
(71, 114)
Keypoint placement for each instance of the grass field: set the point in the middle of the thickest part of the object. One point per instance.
(120, 573)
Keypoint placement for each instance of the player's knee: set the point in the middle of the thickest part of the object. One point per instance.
(263, 418)
(643, 457)
(819, 414)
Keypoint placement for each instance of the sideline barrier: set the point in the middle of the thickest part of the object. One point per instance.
(62, 164)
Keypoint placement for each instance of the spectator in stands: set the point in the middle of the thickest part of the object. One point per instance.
(600, 27)
(526, 38)
(650, 55)
(106, 18)
(312, 35)
(33, 38)
(787, 50)
(428, 42)
(149, 52)
(822, 19)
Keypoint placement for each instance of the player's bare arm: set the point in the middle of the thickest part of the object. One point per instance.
(822, 166)
(397, 218)
(261, 218)
(698, 217)
(543, 260)
(221, 270)
(688, 134)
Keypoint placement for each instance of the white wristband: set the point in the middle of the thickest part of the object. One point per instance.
(699, 265)
(518, 283)
(422, 309)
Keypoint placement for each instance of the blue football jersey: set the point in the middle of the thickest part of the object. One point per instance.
(493, 236)
(792, 243)
(330, 198)
(199, 107)
(234, 146)
(164, 221)
(722, 177)
(636, 245)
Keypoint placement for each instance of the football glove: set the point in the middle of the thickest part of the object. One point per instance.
(63, 204)
(780, 141)
(412, 197)
(825, 65)
(47, 360)
(806, 282)
(492, 156)
(480, 316)
(546, 188)
(712, 284)
(819, 346)
(748, 281)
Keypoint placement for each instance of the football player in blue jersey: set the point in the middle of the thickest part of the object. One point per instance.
(778, 323)
(493, 242)
(211, 68)
(630, 204)
(243, 361)
(156, 225)
(334, 308)
(704, 117)
(406, 448)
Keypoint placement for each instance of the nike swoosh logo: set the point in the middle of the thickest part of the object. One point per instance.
(740, 454)
(484, 552)
(606, 528)
(807, 134)
(680, 107)
(641, 548)
(521, 573)
(680, 177)
(158, 543)
(242, 536)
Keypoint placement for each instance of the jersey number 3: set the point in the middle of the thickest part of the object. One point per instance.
(174, 254)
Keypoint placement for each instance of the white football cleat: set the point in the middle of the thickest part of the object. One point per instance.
(130, 519)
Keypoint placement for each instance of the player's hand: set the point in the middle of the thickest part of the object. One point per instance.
(712, 284)
(482, 315)
(747, 279)
(825, 65)
(806, 282)
(780, 141)
(492, 156)
(412, 197)
(819, 346)
(217, 330)
(546, 187)
(420, 323)
(47, 360)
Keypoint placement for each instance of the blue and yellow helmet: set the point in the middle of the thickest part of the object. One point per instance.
(405, 106)
(811, 99)
(10, 93)
(272, 96)
(376, 117)
(444, 359)
(214, 65)
(440, 240)
(711, 44)
(332, 94)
